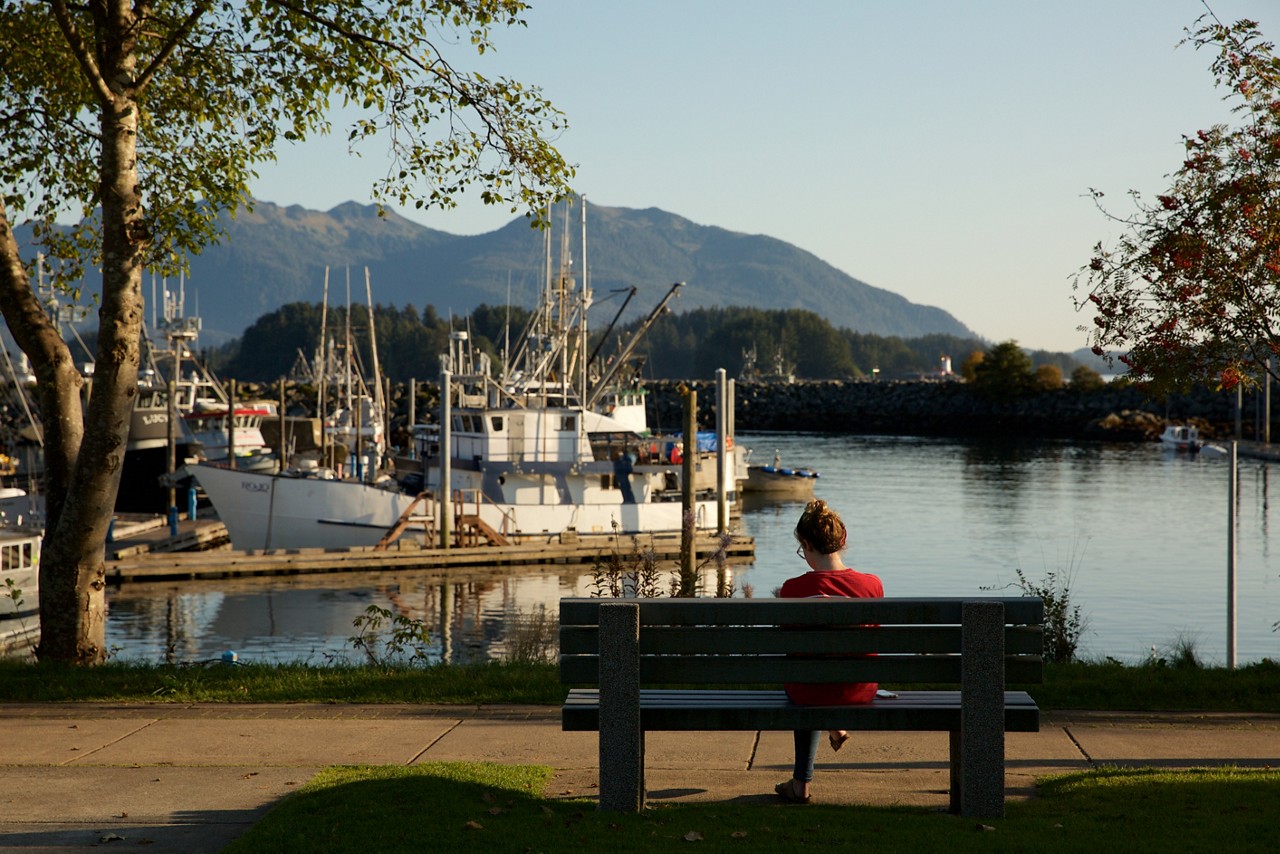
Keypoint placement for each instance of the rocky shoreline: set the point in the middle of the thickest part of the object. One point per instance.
(932, 408)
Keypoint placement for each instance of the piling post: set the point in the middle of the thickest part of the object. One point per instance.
(446, 456)
(722, 424)
(172, 416)
(688, 496)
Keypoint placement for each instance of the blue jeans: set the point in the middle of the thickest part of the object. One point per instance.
(806, 752)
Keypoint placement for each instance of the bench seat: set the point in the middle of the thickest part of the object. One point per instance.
(675, 710)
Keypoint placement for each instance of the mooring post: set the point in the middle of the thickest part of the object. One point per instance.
(722, 450)
(446, 462)
(688, 496)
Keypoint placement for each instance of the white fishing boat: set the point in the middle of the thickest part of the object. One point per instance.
(223, 431)
(19, 591)
(552, 440)
(548, 442)
(296, 510)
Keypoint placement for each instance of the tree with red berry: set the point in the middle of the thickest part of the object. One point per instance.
(1191, 292)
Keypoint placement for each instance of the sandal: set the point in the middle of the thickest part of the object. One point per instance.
(837, 740)
(787, 790)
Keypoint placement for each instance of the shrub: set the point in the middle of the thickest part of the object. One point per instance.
(1062, 622)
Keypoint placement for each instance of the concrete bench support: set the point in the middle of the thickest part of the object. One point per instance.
(621, 737)
(980, 793)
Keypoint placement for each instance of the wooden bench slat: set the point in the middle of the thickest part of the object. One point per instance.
(745, 640)
(749, 670)
(1021, 610)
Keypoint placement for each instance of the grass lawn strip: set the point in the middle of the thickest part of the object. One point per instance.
(453, 806)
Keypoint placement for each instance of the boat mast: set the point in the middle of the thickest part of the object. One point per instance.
(585, 299)
(544, 322)
(346, 365)
(378, 402)
(599, 389)
(563, 283)
(322, 368)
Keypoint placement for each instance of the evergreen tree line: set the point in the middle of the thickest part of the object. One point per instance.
(689, 345)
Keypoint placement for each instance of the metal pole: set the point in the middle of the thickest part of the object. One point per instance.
(722, 424)
(446, 454)
(413, 416)
(357, 416)
(172, 508)
(231, 424)
(1232, 480)
(1266, 404)
(283, 460)
(1239, 410)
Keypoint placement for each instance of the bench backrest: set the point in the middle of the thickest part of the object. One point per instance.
(756, 641)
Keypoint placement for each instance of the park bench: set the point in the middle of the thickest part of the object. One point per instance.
(619, 645)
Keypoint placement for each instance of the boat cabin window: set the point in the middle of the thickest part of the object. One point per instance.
(468, 424)
(17, 556)
(568, 424)
(496, 422)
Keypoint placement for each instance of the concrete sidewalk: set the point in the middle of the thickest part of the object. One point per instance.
(193, 778)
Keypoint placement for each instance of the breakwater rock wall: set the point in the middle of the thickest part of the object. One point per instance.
(926, 408)
(920, 408)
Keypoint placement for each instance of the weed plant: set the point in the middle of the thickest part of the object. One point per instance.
(1063, 624)
(636, 573)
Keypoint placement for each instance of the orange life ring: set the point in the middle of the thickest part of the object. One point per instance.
(677, 456)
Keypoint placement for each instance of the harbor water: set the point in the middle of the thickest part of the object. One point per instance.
(1138, 535)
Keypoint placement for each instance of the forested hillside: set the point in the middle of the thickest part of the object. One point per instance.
(691, 345)
(273, 256)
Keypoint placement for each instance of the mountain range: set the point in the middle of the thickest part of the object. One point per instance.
(275, 255)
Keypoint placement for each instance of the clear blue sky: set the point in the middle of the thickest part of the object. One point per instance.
(941, 150)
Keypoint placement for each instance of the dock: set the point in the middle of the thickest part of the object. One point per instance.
(149, 553)
(1259, 450)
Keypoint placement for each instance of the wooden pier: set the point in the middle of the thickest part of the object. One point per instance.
(147, 554)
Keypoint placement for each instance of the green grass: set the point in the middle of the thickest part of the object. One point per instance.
(482, 807)
(1113, 686)
(1101, 686)
(286, 683)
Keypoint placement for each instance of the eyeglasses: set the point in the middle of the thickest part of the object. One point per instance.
(800, 550)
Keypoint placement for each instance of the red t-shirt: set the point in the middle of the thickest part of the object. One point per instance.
(841, 582)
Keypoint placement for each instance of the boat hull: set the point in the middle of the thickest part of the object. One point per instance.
(782, 483)
(266, 511)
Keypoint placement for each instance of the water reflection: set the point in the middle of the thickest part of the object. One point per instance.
(314, 620)
(1142, 532)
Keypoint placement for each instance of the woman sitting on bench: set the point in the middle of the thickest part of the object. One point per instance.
(822, 536)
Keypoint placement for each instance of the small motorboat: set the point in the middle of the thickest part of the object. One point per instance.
(1181, 437)
(779, 482)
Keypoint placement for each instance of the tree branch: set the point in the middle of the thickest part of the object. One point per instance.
(80, 50)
